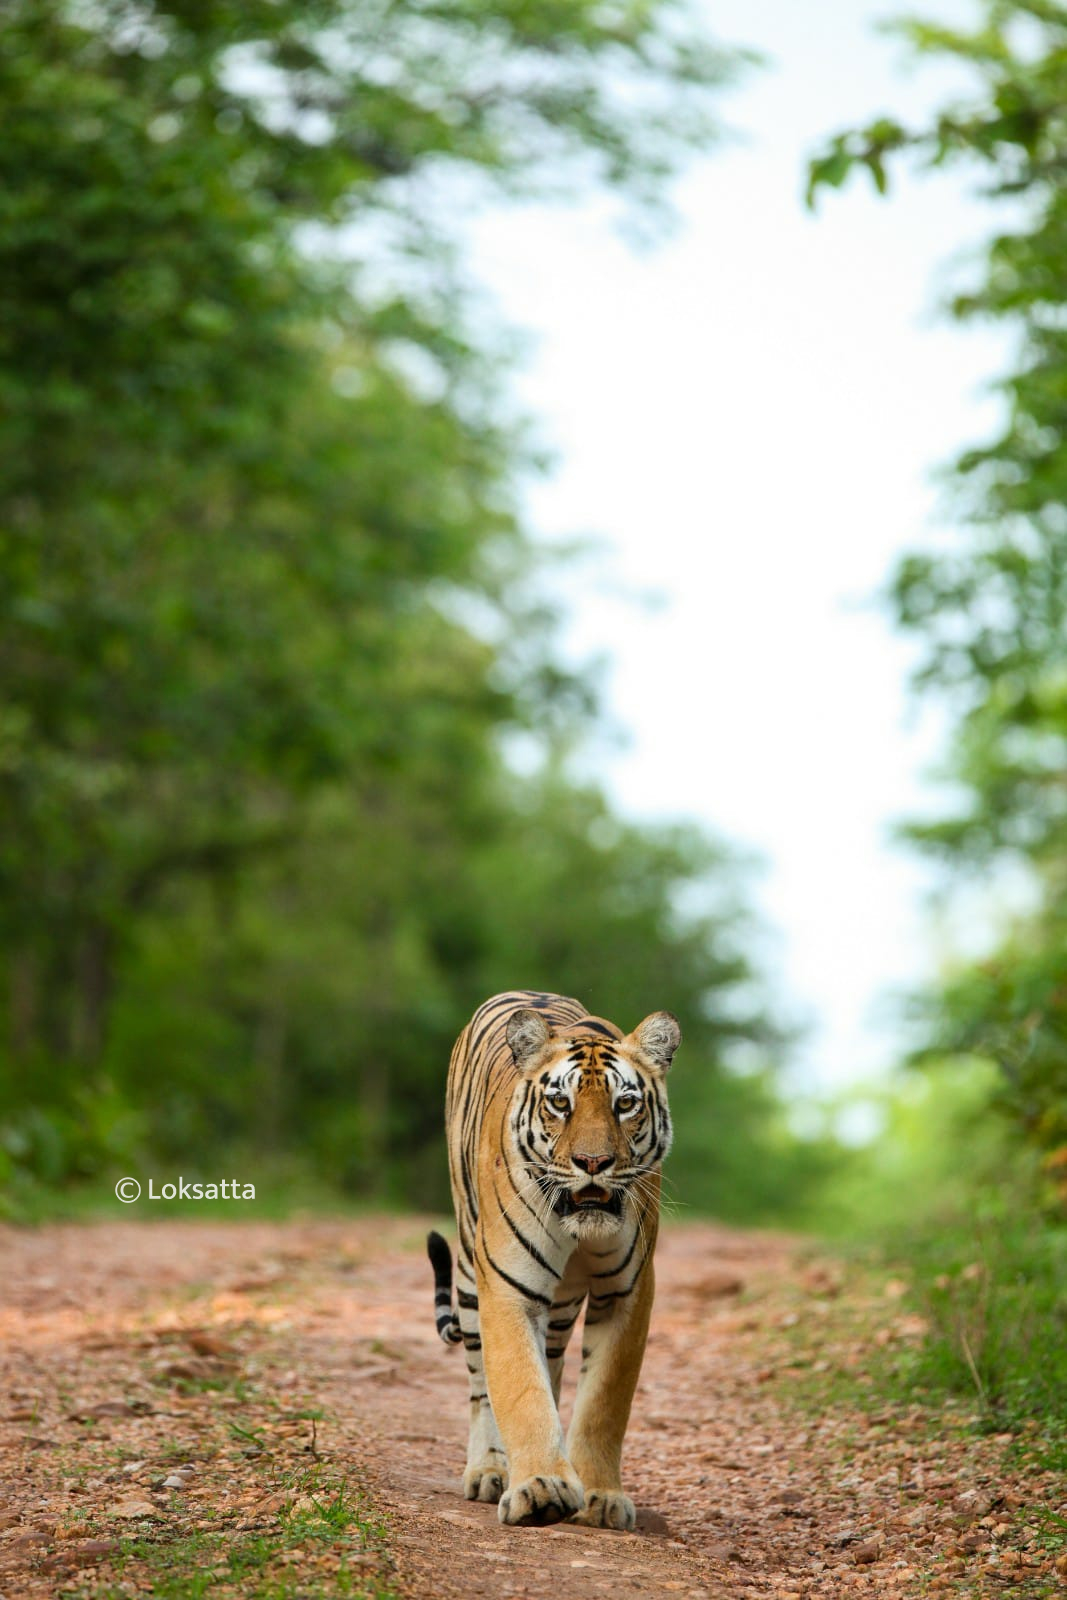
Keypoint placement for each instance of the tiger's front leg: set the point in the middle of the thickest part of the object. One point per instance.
(613, 1346)
(543, 1485)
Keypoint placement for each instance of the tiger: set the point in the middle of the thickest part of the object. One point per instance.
(557, 1128)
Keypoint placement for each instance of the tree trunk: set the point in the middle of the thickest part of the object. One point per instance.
(270, 1058)
(92, 994)
(23, 997)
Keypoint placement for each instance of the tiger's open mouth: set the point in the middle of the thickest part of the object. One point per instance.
(591, 1198)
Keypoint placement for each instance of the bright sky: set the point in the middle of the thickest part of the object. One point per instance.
(750, 416)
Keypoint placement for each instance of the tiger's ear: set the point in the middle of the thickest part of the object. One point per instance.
(527, 1033)
(658, 1037)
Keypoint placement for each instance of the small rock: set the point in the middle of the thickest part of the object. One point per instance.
(105, 1408)
(92, 1550)
(174, 1482)
(134, 1508)
(867, 1552)
(196, 1369)
(974, 1503)
(715, 1285)
(651, 1523)
(208, 1344)
(272, 1503)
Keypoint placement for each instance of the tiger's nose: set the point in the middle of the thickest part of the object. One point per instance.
(592, 1164)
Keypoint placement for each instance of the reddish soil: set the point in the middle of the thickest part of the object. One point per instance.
(132, 1349)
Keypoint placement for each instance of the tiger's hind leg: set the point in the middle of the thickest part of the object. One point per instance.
(486, 1475)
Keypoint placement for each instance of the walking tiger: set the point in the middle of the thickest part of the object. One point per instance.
(557, 1127)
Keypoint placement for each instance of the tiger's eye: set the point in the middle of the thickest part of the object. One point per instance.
(559, 1102)
(626, 1102)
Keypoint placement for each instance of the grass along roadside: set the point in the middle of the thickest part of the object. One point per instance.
(178, 1457)
(293, 1527)
(325, 1540)
(938, 1368)
(966, 1319)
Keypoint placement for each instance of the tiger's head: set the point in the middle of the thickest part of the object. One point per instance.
(590, 1116)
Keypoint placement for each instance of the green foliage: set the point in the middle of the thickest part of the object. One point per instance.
(935, 1148)
(987, 1259)
(335, 1521)
(1011, 1010)
(94, 1132)
(983, 1346)
(992, 1292)
(266, 608)
(991, 611)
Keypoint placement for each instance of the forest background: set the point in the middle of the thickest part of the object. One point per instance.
(287, 749)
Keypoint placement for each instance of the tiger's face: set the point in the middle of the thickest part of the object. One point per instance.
(590, 1118)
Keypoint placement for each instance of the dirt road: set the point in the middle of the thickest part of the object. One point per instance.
(195, 1387)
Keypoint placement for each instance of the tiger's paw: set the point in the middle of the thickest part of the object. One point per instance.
(540, 1500)
(607, 1508)
(486, 1483)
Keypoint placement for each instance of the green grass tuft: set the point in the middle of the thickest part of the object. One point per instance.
(323, 1518)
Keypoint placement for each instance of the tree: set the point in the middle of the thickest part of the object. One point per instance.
(260, 852)
(229, 489)
(992, 612)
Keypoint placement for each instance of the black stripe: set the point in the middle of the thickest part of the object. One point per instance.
(531, 1249)
(472, 1083)
(590, 1025)
(472, 1203)
(506, 1003)
(613, 1272)
(620, 1294)
(530, 1294)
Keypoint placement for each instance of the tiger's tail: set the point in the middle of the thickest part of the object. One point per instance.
(441, 1261)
